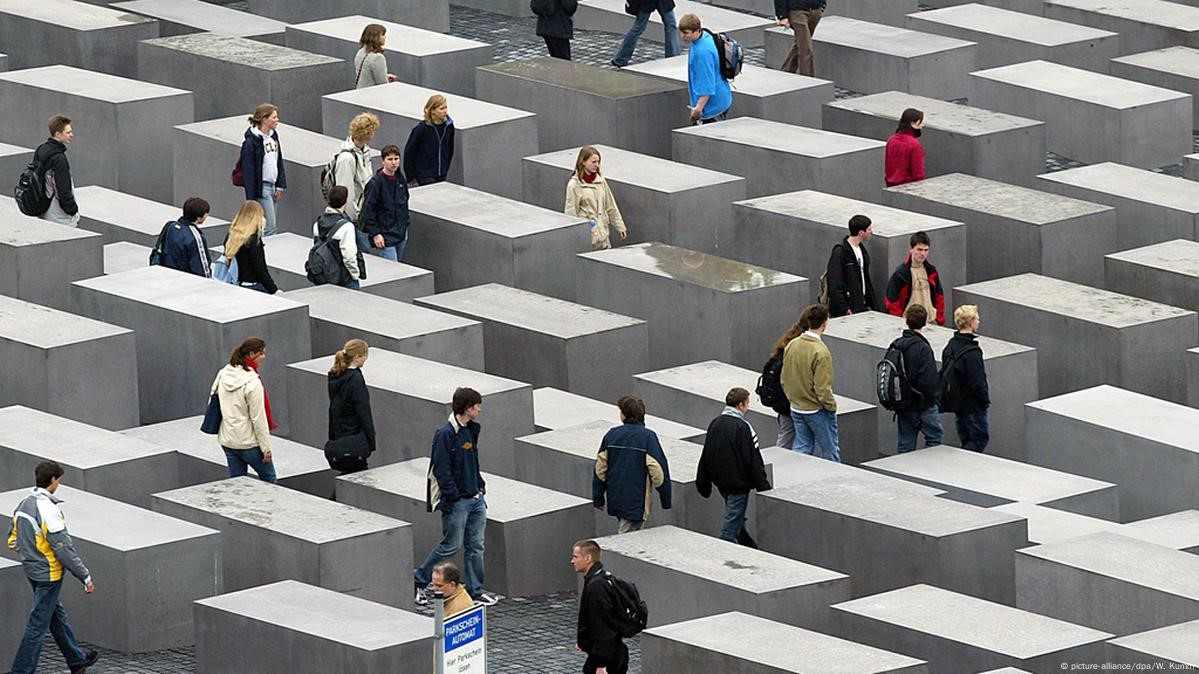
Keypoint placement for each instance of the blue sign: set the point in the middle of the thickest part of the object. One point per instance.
(465, 642)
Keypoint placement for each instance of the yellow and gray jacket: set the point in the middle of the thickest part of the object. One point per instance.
(38, 532)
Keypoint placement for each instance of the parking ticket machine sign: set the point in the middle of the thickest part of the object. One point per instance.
(466, 642)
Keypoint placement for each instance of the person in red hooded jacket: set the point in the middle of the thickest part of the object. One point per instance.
(905, 154)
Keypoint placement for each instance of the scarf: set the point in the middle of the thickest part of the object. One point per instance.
(266, 400)
(589, 177)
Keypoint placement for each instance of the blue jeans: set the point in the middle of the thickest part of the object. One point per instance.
(394, 253)
(240, 459)
(47, 612)
(927, 422)
(463, 525)
(669, 25)
(973, 430)
(818, 428)
(267, 200)
(733, 528)
(354, 284)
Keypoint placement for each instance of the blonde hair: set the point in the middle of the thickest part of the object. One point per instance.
(363, 126)
(342, 359)
(263, 111)
(250, 221)
(585, 153)
(964, 315)
(435, 101)
(372, 35)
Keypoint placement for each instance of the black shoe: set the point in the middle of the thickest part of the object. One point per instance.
(614, 64)
(81, 668)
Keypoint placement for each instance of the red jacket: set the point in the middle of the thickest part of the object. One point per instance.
(905, 159)
(899, 289)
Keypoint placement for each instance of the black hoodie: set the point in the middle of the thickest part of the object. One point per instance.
(52, 156)
(350, 407)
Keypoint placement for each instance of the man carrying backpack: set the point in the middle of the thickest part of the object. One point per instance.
(921, 415)
(335, 228)
(182, 244)
(51, 157)
(598, 634)
(847, 276)
(711, 96)
(964, 381)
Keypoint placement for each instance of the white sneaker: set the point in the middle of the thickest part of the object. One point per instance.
(487, 599)
(421, 599)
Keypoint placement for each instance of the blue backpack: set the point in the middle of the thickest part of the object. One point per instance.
(732, 56)
(225, 270)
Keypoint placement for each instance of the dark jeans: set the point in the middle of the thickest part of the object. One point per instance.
(733, 529)
(559, 47)
(712, 120)
(47, 612)
(620, 666)
(973, 430)
(240, 459)
(927, 422)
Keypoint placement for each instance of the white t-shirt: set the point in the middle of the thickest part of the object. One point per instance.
(857, 253)
(270, 157)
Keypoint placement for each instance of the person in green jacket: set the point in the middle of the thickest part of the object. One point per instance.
(807, 379)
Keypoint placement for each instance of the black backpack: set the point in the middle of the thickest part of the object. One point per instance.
(324, 265)
(770, 384)
(328, 181)
(631, 613)
(732, 56)
(159, 244)
(951, 380)
(891, 383)
(30, 192)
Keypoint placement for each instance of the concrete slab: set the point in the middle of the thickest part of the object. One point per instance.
(72, 33)
(1175, 68)
(1142, 24)
(124, 217)
(183, 17)
(1091, 117)
(1192, 361)
(14, 158)
(521, 517)
(1172, 646)
(890, 12)
(554, 409)
(39, 260)
(1166, 272)
(14, 591)
(1190, 167)
(428, 14)
(792, 468)
(286, 254)
(124, 256)
(1179, 530)
(609, 16)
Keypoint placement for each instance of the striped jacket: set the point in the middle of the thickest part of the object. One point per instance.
(38, 532)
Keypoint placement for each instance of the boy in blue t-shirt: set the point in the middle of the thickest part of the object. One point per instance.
(711, 95)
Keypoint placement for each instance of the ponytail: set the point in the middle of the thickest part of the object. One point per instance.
(241, 353)
(342, 359)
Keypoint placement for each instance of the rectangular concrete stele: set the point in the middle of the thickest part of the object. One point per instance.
(1175, 644)
(1109, 582)
(290, 534)
(888, 538)
(410, 400)
(1142, 24)
(576, 102)
(775, 157)
(205, 153)
(3, 62)
(1178, 530)
(525, 522)
(790, 468)
(554, 409)
(983, 480)
(1174, 68)
(151, 568)
(609, 16)
(759, 92)
(1086, 336)
(166, 308)
(39, 260)
(337, 315)
(1192, 360)
(201, 459)
(287, 253)
(1005, 37)
(732, 642)
(467, 237)
(414, 55)
(124, 129)
(72, 33)
(955, 632)
(698, 306)
(44, 352)
(660, 200)
(1165, 272)
(14, 592)
(304, 629)
(181, 17)
(95, 459)
(14, 158)
(1012, 229)
(1190, 167)
(489, 139)
(124, 256)
(550, 342)
(293, 80)
(428, 14)
(1091, 117)
(1094, 432)
(890, 12)
(1150, 207)
(806, 225)
(956, 138)
(695, 393)
(682, 585)
(124, 217)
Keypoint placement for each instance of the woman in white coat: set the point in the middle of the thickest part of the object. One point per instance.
(589, 197)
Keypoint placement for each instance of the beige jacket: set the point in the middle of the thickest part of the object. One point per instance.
(594, 201)
(243, 412)
(807, 374)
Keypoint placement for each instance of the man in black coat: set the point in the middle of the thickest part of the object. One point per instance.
(733, 462)
(924, 415)
(850, 290)
(555, 25)
(962, 365)
(597, 635)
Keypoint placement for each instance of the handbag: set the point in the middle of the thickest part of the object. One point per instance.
(212, 416)
(348, 452)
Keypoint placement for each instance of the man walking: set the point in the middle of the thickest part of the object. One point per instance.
(555, 25)
(711, 96)
(641, 9)
(51, 157)
(801, 16)
(630, 463)
(596, 633)
(916, 281)
(183, 244)
(964, 377)
(733, 462)
(850, 290)
(455, 487)
(385, 209)
(39, 535)
(923, 415)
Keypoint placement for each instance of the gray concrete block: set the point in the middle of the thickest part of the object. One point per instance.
(554, 409)
(298, 536)
(39, 260)
(1111, 434)
(428, 14)
(549, 342)
(1013, 230)
(806, 225)
(1109, 582)
(660, 200)
(1178, 530)
(14, 158)
(1166, 272)
(299, 628)
(44, 352)
(1005, 37)
(293, 80)
(201, 459)
(1142, 24)
(775, 157)
(890, 12)
(468, 237)
(576, 102)
(183, 17)
(1142, 342)
(698, 306)
(125, 126)
(149, 568)
(790, 468)
(1150, 207)
(14, 592)
(410, 398)
(1091, 117)
(609, 16)
(124, 217)
(681, 585)
(167, 308)
(414, 55)
(955, 632)
(124, 256)
(521, 518)
(695, 394)
(66, 32)
(1192, 361)
(3, 62)
(956, 138)
(759, 92)
(886, 539)
(489, 139)
(1190, 167)
(1175, 68)
(1173, 646)
(100, 461)
(732, 642)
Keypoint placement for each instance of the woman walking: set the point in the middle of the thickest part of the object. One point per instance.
(245, 412)
(786, 435)
(905, 154)
(351, 426)
(262, 163)
(430, 146)
(589, 197)
(370, 64)
(245, 244)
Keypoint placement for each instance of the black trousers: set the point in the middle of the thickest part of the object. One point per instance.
(559, 47)
(621, 666)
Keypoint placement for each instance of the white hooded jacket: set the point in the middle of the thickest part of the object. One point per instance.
(243, 410)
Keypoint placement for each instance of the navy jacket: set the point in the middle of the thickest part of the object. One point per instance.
(251, 163)
(976, 396)
(429, 151)
(628, 448)
(921, 367)
(185, 248)
(454, 466)
(385, 208)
